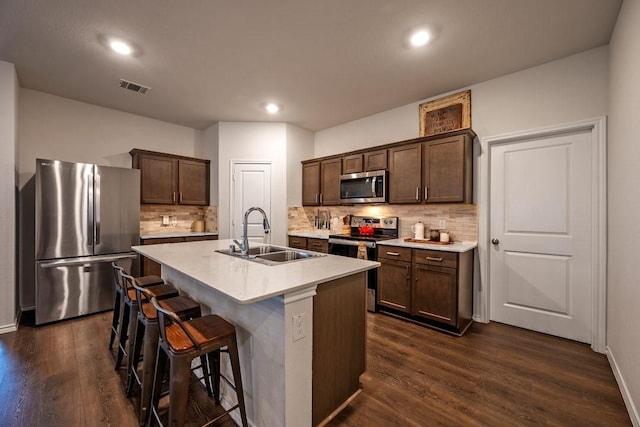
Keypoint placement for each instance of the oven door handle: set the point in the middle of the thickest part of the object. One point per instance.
(351, 243)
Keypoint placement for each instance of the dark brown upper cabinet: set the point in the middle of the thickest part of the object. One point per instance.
(321, 182)
(375, 160)
(435, 171)
(166, 179)
(352, 164)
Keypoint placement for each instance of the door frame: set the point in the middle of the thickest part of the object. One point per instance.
(597, 128)
(233, 164)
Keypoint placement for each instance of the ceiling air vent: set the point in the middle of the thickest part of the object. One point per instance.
(136, 87)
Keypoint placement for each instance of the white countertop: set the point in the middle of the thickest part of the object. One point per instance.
(169, 234)
(453, 247)
(313, 234)
(249, 281)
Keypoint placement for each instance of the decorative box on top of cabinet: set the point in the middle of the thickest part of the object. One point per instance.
(430, 287)
(169, 180)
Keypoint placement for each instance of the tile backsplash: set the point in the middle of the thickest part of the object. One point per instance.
(461, 219)
(181, 218)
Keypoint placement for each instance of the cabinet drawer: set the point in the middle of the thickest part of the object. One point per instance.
(395, 253)
(318, 245)
(200, 238)
(443, 259)
(161, 240)
(297, 242)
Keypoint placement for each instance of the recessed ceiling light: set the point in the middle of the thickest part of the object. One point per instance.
(420, 38)
(120, 47)
(272, 108)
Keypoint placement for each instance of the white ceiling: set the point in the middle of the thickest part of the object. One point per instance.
(325, 61)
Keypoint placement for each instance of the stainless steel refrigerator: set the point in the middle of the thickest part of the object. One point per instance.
(86, 216)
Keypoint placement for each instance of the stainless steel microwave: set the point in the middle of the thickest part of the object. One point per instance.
(363, 187)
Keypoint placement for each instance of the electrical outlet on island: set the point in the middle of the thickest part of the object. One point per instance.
(299, 329)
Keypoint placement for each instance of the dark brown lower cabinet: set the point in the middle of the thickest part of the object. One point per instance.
(310, 243)
(394, 278)
(435, 293)
(434, 288)
(150, 267)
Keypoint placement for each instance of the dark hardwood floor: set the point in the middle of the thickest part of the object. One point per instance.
(495, 375)
(62, 375)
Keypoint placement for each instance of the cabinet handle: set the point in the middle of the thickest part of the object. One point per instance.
(434, 259)
(408, 272)
(417, 193)
(426, 193)
(320, 198)
(173, 197)
(316, 197)
(393, 253)
(181, 197)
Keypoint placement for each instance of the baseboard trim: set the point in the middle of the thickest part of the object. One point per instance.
(5, 329)
(626, 395)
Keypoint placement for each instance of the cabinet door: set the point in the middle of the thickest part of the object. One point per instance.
(318, 245)
(157, 179)
(352, 164)
(394, 285)
(447, 170)
(193, 183)
(330, 171)
(375, 160)
(297, 242)
(405, 171)
(434, 294)
(311, 183)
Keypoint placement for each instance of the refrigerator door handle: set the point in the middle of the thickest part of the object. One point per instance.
(86, 260)
(90, 210)
(96, 198)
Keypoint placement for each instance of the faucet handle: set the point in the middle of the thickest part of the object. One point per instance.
(240, 245)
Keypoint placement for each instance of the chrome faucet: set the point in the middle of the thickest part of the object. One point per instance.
(244, 246)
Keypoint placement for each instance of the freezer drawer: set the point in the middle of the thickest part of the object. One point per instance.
(73, 287)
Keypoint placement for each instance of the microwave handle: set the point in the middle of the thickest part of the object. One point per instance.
(373, 186)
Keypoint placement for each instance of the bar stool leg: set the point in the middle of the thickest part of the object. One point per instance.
(135, 356)
(116, 319)
(161, 367)
(150, 347)
(124, 330)
(179, 378)
(237, 378)
(214, 365)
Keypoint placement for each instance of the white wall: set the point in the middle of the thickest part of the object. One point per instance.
(253, 141)
(8, 126)
(59, 128)
(299, 147)
(565, 90)
(209, 150)
(623, 338)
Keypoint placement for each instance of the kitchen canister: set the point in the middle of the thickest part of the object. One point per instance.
(444, 236)
(418, 230)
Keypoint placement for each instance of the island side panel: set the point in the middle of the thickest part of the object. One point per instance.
(260, 329)
(339, 343)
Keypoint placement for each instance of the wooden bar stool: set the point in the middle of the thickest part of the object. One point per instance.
(181, 342)
(118, 304)
(146, 340)
(130, 311)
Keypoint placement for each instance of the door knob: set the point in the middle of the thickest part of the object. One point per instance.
(495, 241)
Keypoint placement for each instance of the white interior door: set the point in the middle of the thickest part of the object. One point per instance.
(251, 186)
(541, 221)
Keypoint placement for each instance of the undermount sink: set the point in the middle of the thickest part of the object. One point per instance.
(270, 255)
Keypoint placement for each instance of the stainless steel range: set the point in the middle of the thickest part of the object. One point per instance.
(365, 232)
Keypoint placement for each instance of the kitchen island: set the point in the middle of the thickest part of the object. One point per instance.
(301, 325)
